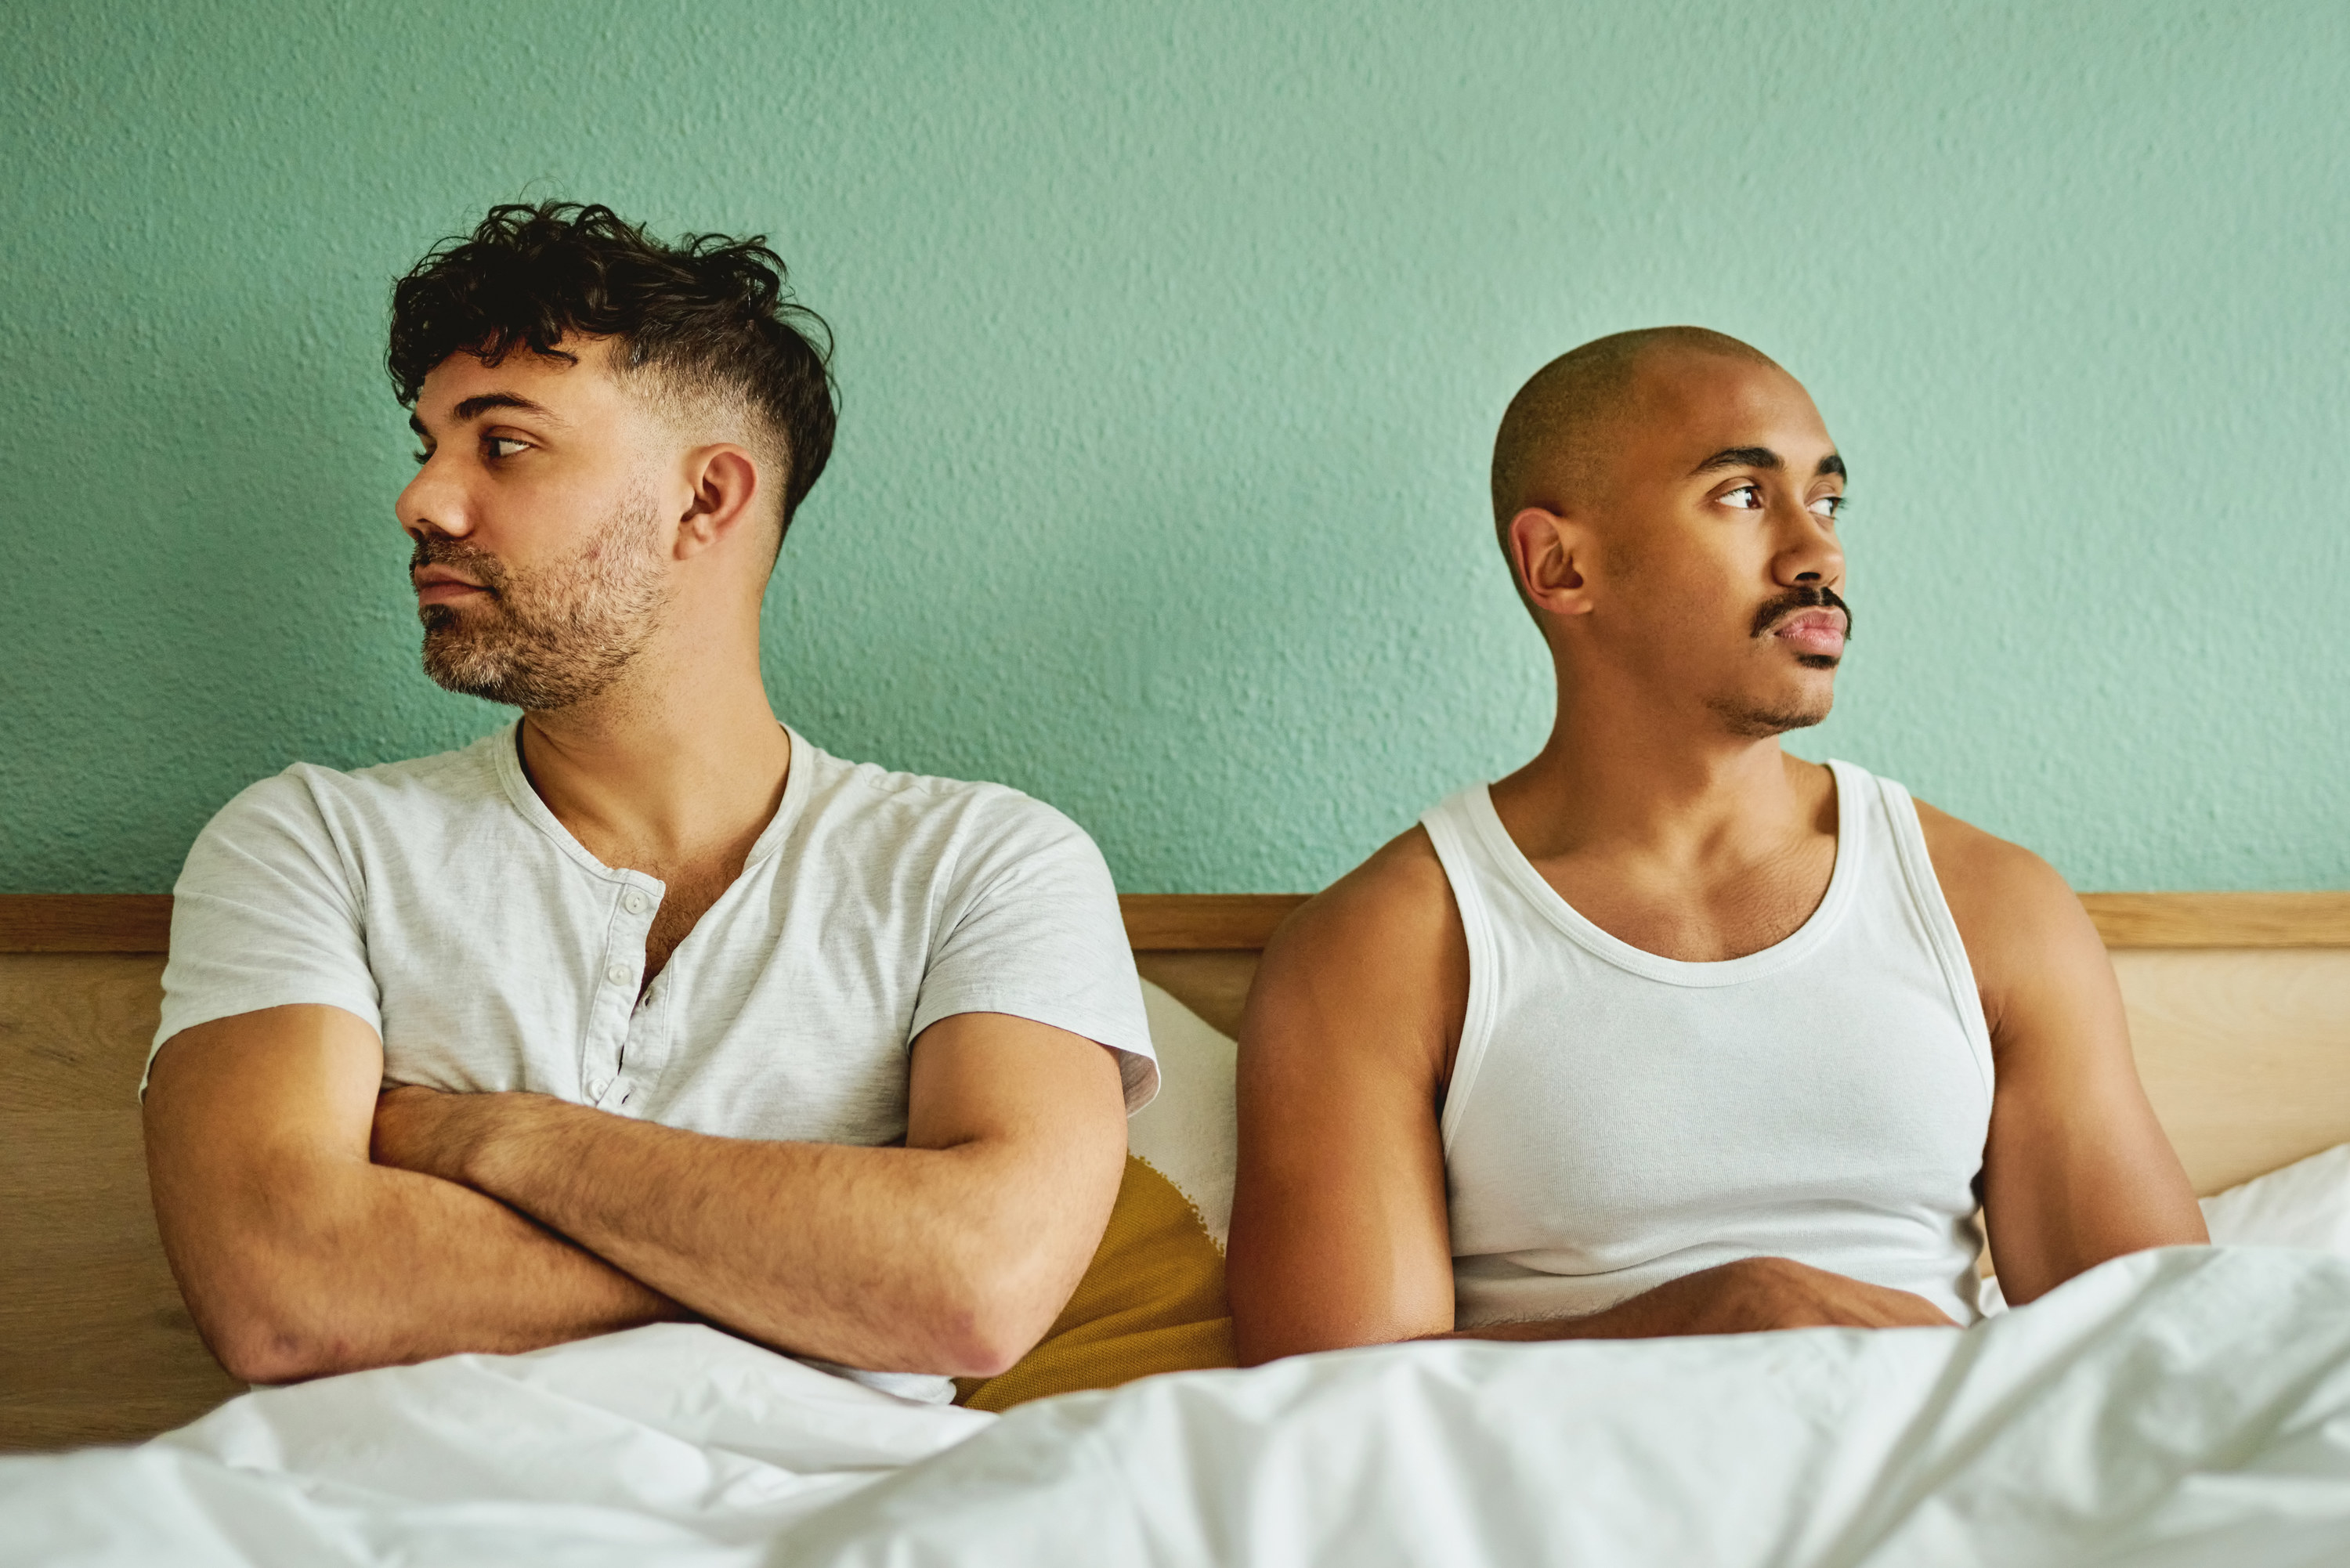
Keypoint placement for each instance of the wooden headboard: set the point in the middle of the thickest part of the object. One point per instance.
(2239, 1011)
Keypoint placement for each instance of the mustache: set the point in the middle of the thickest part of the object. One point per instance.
(439, 550)
(1803, 597)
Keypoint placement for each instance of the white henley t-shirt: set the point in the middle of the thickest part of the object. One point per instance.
(440, 900)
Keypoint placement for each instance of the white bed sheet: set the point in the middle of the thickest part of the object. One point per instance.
(2187, 1406)
(665, 1445)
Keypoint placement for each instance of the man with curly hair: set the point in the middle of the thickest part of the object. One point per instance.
(641, 1007)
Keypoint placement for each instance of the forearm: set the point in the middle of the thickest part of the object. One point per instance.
(1675, 1308)
(300, 1257)
(1752, 1295)
(1642, 1317)
(329, 1267)
(893, 1259)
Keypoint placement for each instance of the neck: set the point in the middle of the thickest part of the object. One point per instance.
(680, 758)
(1626, 775)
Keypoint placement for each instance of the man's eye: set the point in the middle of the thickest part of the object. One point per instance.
(1754, 498)
(498, 445)
(1829, 506)
(421, 457)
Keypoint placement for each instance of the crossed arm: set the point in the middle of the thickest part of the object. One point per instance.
(1340, 1234)
(317, 1226)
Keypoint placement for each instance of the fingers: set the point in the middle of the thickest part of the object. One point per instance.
(1890, 1308)
(1929, 1315)
(1763, 1294)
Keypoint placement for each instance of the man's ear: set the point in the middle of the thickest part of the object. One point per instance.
(1550, 553)
(723, 497)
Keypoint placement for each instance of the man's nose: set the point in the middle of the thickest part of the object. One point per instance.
(431, 503)
(1808, 554)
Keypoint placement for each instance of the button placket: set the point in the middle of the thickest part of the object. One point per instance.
(615, 1002)
(646, 1051)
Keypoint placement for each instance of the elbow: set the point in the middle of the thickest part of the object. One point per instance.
(264, 1336)
(986, 1338)
(991, 1316)
(982, 1357)
(1002, 1282)
(258, 1348)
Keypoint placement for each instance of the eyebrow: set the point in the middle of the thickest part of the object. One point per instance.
(1761, 457)
(482, 403)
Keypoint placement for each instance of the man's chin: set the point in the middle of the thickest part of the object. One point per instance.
(466, 684)
(516, 673)
(1760, 719)
(454, 662)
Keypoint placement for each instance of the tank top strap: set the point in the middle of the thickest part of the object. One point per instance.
(1451, 828)
(1924, 891)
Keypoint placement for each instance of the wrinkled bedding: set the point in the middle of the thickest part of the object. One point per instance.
(2187, 1407)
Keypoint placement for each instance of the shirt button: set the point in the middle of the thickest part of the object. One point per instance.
(595, 1087)
(617, 974)
(634, 902)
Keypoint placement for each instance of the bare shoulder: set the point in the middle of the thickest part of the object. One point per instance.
(1986, 872)
(1377, 961)
(2015, 913)
(1398, 897)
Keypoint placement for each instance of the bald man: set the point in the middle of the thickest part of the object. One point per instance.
(1668, 1032)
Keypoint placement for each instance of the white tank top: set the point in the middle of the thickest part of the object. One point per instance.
(1617, 1120)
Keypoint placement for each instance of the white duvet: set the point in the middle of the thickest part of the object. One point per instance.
(2187, 1406)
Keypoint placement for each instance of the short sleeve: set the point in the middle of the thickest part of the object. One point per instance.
(1031, 927)
(266, 914)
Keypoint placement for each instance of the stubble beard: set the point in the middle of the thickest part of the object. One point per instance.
(1753, 721)
(554, 637)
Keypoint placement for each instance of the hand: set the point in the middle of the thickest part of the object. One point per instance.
(426, 1130)
(1752, 1295)
(1759, 1294)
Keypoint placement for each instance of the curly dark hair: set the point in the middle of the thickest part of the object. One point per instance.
(710, 312)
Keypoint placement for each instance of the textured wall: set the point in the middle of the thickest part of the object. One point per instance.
(1172, 338)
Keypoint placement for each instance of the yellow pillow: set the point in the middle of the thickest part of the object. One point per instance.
(1153, 1298)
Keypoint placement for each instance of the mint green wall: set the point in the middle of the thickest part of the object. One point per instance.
(1172, 337)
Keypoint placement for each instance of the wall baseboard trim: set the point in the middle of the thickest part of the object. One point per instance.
(1193, 922)
(85, 922)
(1198, 922)
(2221, 920)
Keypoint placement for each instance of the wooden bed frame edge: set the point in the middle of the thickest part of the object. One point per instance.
(1198, 922)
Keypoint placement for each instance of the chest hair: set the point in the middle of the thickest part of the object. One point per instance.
(692, 889)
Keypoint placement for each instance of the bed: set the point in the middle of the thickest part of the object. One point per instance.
(2240, 1008)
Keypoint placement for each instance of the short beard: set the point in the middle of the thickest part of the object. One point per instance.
(558, 636)
(1750, 723)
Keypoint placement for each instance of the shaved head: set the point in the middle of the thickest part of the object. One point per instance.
(1667, 501)
(1556, 427)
